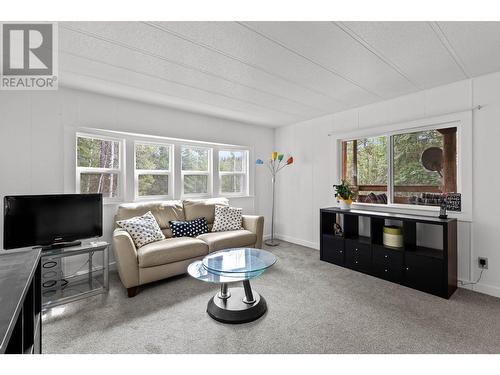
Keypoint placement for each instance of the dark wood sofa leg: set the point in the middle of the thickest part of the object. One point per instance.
(132, 291)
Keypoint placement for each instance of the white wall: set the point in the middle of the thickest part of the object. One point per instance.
(34, 125)
(305, 188)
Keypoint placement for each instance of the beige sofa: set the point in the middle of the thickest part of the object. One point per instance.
(171, 256)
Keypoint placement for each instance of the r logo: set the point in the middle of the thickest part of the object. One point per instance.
(27, 49)
(28, 56)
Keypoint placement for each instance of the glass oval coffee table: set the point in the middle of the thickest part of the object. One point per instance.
(235, 304)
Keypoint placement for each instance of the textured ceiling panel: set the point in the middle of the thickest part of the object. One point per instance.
(476, 43)
(259, 52)
(95, 70)
(165, 46)
(414, 49)
(326, 44)
(74, 43)
(275, 73)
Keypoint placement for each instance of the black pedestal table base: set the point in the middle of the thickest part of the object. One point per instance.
(236, 305)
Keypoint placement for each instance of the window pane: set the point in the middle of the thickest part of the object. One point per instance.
(105, 183)
(425, 166)
(153, 184)
(231, 161)
(364, 166)
(97, 153)
(231, 183)
(194, 159)
(152, 157)
(195, 184)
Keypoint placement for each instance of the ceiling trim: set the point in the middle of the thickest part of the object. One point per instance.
(256, 67)
(186, 85)
(346, 29)
(329, 70)
(447, 45)
(187, 66)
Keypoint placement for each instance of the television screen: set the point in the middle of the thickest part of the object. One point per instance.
(31, 220)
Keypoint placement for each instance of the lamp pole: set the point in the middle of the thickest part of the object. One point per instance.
(272, 242)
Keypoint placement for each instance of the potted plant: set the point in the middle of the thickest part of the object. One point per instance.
(344, 194)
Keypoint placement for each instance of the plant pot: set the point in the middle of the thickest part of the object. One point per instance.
(344, 205)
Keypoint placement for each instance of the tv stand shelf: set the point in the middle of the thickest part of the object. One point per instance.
(430, 270)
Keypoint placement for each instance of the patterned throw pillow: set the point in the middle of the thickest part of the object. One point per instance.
(190, 228)
(143, 229)
(227, 218)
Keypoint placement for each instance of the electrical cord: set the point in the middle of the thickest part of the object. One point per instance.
(474, 282)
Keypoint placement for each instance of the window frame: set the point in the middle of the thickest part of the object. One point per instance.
(120, 171)
(244, 172)
(170, 172)
(208, 173)
(461, 120)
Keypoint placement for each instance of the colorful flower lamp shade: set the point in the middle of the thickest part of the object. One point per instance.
(275, 165)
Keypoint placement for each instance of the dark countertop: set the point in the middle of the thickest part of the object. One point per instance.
(16, 272)
(390, 215)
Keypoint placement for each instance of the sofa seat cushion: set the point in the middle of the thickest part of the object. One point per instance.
(228, 239)
(170, 250)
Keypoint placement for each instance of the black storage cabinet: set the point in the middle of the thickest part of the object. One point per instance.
(429, 270)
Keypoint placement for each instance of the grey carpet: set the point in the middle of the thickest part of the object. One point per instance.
(314, 307)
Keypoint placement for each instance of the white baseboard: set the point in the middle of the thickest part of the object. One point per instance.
(482, 288)
(297, 241)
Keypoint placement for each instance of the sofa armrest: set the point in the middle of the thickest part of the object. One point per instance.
(255, 224)
(126, 258)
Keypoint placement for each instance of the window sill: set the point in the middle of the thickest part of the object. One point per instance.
(410, 210)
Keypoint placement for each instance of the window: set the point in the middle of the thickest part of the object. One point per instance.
(153, 176)
(159, 167)
(195, 170)
(422, 166)
(365, 168)
(98, 166)
(232, 172)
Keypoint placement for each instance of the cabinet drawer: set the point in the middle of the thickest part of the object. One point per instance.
(358, 255)
(388, 272)
(424, 273)
(333, 250)
(387, 257)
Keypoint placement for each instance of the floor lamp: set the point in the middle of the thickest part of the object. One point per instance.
(275, 165)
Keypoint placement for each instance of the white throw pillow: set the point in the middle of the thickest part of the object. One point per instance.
(227, 218)
(143, 229)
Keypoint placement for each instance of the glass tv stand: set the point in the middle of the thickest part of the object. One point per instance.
(72, 273)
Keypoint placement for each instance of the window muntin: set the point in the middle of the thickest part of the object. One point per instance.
(98, 166)
(423, 166)
(195, 170)
(233, 166)
(153, 170)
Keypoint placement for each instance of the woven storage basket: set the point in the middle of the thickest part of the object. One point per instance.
(393, 236)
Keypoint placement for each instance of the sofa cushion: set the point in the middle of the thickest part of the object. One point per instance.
(227, 218)
(196, 208)
(189, 228)
(170, 250)
(163, 211)
(229, 239)
(143, 229)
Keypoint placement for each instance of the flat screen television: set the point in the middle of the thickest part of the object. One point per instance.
(51, 220)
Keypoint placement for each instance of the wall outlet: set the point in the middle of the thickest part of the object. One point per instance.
(482, 262)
